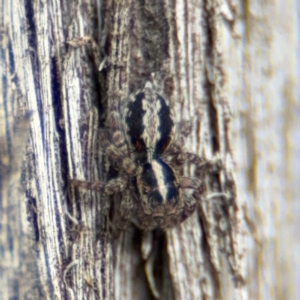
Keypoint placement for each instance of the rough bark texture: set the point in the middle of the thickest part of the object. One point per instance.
(230, 67)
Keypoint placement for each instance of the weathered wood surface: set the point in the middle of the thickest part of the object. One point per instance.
(232, 69)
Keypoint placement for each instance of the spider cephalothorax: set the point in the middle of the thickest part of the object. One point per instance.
(147, 154)
(149, 123)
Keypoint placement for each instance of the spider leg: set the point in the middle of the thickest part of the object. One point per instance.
(117, 152)
(203, 166)
(189, 206)
(177, 145)
(113, 186)
(189, 183)
(122, 161)
(177, 156)
(124, 212)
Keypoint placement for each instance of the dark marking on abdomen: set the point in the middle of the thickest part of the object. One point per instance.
(165, 128)
(134, 122)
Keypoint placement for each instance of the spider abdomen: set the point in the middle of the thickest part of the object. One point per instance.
(158, 187)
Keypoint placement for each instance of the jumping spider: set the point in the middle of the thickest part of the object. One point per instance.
(143, 149)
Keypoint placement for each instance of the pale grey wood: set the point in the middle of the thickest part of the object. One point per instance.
(263, 92)
(57, 84)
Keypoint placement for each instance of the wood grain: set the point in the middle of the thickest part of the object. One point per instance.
(232, 69)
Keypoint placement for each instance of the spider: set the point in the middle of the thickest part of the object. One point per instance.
(148, 159)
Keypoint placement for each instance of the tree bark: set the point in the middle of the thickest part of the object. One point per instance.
(221, 65)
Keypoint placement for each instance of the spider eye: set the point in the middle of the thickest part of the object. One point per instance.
(139, 146)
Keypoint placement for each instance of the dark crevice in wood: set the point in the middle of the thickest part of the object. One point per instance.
(210, 85)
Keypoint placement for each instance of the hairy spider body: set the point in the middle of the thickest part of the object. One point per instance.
(149, 123)
(146, 155)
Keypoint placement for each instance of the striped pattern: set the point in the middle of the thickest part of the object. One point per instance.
(149, 124)
(158, 183)
(150, 129)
